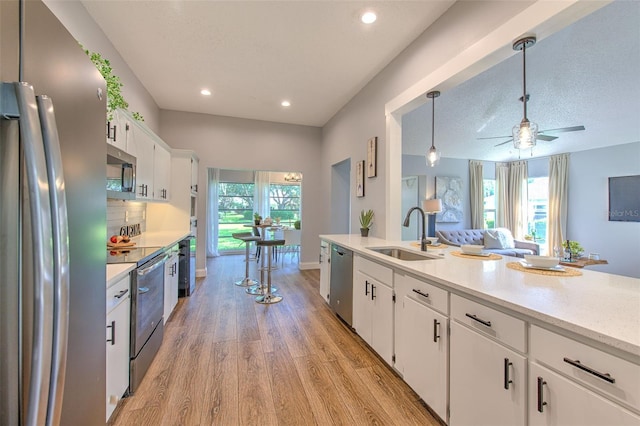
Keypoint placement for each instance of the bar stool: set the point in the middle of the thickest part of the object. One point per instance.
(269, 296)
(247, 237)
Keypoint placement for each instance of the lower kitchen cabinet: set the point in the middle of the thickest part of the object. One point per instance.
(171, 282)
(118, 332)
(373, 310)
(487, 381)
(325, 270)
(555, 400)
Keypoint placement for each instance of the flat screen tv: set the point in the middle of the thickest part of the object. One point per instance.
(624, 198)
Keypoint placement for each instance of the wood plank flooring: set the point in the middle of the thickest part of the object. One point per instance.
(227, 360)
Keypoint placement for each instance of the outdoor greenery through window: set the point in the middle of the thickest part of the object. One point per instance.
(537, 208)
(236, 208)
(489, 187)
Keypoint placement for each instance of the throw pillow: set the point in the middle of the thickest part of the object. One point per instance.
(499, 238)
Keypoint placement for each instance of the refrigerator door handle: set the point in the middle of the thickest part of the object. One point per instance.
(42, 256)
(60, 226)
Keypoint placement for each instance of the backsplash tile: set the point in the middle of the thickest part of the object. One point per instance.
(118, 210)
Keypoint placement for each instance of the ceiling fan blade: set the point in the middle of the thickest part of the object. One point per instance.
(563, 129)
(494, 137)
(546, 137)
(503, 143)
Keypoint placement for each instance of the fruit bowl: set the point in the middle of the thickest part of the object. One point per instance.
(541, 261)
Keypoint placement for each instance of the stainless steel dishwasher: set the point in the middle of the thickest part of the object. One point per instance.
(341, 286)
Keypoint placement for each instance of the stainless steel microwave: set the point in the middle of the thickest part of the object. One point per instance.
(121, 174)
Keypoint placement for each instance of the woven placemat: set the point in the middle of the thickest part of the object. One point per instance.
(492, 256)
(429, 246)
(568, 272)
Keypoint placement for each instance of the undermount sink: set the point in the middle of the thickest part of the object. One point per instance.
(401, 254)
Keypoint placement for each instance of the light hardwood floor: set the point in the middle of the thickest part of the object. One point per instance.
(227, 360)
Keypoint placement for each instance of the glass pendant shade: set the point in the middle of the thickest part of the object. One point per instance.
(433, 157)
(525, 134)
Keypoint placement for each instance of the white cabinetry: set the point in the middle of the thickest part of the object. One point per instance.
(171, 282)
(117, 130)
(421, 340)
(488, 381)
(373, 306)
(325, 270)
(161, 173)
(117, 336)
(194, 175)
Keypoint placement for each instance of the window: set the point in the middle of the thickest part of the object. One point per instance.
(537, 208)
(489, 186)
(235, 209)
(284, 202)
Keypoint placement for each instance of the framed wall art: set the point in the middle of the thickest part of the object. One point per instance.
(372, 148)
(360, 178)
(449, 190)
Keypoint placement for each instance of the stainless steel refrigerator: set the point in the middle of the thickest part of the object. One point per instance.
(52, 258)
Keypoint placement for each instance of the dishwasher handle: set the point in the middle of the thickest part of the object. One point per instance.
(155, 265)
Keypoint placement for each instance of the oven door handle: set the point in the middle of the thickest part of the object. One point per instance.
(154, 266)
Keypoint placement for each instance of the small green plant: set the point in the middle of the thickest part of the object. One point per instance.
(574, 247)
(296, 224)
(366, 218)
(115, 99)
(256, 216)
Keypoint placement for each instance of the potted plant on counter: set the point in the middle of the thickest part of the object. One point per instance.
(257, 218)
(366, 220)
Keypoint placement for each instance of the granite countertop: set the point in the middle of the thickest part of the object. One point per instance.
(147, 239)
(599, 306)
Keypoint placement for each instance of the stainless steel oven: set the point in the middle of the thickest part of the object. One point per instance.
(147, 306)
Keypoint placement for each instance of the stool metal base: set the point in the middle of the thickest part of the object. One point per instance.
(259, 290)
(246, 282)
(268, 299)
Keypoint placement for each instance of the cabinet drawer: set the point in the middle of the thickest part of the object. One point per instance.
(374, 270)
(507, 329)
(427, 294)
(616, 377)
(117, 293)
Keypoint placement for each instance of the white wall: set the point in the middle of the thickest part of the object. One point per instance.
(618, 242)
(235, 143)
(346, 134)
(83, 28)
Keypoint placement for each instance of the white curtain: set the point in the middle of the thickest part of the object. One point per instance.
(261, 194)
(212, 212)
(518, 198)
(558, 184)
(502, 195)
(476, 189)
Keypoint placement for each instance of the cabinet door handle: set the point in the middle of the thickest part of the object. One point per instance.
(436, 335)
(481, 321)
(113, 333)
(114, 132)
(507, 380)
(366, 288)
(373, 293)
(108, 130)
(541, 402)
(420, 293)
(122, 293)
(604, 376)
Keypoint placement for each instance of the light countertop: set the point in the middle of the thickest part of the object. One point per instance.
(599, 306)
(147, 239)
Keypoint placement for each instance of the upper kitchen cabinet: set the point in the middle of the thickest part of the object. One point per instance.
(194, 174)
(161, 172)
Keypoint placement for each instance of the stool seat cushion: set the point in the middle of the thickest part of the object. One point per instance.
(250, 238)
(267, 243)
(241, 235)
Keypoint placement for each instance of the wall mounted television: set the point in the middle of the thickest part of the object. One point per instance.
(624, 199)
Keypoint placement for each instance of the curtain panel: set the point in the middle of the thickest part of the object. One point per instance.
(558, 193)
(476, 189)
(517, 216)
(502, 195)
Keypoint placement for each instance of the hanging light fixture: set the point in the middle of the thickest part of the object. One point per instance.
(525, 133)
(433, 156)
(293, 177)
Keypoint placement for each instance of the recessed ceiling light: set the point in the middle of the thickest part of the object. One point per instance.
(368, 17)
(285, 103)
(205, 92)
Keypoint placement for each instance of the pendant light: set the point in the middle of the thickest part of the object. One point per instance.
(525, 133)
(433, 156)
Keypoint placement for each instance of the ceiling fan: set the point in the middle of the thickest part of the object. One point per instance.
(543, 135)
(526, 133)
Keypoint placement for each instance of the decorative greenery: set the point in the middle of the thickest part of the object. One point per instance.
(574, 247)
(366, 218)
(296, 224)
(115, 99)
(256, 216)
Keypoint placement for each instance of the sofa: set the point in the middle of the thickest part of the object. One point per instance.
(459, 237)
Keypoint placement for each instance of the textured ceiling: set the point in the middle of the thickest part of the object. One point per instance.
(587, 74)
(254, 54)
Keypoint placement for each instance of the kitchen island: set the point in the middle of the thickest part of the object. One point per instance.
(543, 336)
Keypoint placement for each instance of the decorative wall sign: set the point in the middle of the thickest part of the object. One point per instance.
(449, 190)
(360, 178)
(372, 148)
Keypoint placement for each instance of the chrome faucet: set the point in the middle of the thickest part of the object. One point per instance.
(423, 241)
